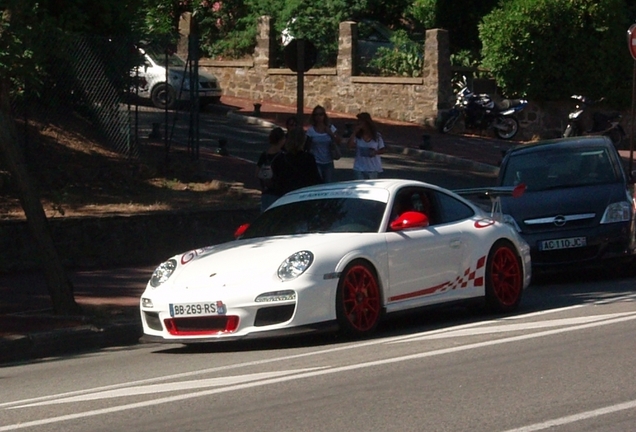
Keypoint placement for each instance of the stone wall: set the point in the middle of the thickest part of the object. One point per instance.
(416, 100)
(121, 240)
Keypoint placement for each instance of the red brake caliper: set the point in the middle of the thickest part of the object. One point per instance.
(361, 295)
(505, 276)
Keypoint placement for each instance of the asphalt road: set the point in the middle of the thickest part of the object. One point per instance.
(247, 141)
(564, 362)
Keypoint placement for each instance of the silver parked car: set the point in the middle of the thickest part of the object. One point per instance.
(164, 90)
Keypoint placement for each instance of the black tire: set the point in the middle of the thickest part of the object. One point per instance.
(358, 300)
(163, 95)
(509, 128)
(504, 278)
(616, 136)
(450, 123)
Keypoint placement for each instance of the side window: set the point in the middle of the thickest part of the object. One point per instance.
(415, 199)
(451, 210)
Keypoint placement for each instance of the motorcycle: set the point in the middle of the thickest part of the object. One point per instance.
(608, 124)
(480, 111)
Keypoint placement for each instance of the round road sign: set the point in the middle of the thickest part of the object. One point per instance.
(631, 40)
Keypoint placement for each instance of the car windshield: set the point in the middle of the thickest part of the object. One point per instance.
(160, 58)
(319, 216)
(555, 168)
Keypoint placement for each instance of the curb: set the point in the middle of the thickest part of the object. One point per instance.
(406, 151)
(75, 340)
(441, 157)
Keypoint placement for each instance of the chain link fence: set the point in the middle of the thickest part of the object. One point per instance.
(98, 80)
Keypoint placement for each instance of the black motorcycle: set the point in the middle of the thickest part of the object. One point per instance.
(480, 111)
(608, 124)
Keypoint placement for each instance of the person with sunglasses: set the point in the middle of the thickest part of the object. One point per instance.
(369, 145)
(323, 136)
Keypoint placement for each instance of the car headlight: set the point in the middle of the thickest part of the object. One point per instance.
(617, 212)
(295, 265)
(507, 219)
(163, 272)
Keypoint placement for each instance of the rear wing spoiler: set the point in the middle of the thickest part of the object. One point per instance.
(494, 193)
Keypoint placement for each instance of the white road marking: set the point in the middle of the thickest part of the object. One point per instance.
(576, 417)
(169, 387)
(294, 356)
(311, 374)
(515, 327)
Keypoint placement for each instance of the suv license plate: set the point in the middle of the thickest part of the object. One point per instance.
(564, 243)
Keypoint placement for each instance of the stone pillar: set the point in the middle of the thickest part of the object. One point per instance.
(184, 33)
(265, 41)
(347, 42)
(437, 75)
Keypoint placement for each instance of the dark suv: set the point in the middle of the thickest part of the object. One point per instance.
(577, 207)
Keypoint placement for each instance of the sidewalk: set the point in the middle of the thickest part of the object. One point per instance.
(28, 330)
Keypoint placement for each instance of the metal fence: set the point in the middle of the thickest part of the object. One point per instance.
(94, 78)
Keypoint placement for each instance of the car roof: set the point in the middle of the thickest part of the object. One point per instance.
(582, 141)
(382, 189)
(387, 183)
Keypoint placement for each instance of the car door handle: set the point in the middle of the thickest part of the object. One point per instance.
(455, 243)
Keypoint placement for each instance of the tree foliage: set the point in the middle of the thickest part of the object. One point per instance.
(404, 59)
(549, 50)
(459, 17)
(228, 28)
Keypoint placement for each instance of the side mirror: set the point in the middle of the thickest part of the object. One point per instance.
(241, 230)
(410, 219)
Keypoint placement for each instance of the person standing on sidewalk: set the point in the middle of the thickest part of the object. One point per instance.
(324, 136)
(295, 168)
(369, 146)
(265, 171)
(291, 123)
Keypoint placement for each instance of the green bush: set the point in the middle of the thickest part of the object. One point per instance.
(551, 49)
(404, 59)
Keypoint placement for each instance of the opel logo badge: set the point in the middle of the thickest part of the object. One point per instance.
(559, 221)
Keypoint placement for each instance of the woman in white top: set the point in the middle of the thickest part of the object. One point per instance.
(369, 146)
(323, 135)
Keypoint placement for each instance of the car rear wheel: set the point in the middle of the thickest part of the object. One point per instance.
(504, 277)
(358, 300)
(163, 96)
(507, 127)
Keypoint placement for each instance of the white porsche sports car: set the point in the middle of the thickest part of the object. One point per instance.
(338, 255)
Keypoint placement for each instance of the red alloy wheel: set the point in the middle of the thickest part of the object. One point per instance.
(505, 277)
(359, 304)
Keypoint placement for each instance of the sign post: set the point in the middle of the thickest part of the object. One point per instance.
(631, 44)
(300, 56)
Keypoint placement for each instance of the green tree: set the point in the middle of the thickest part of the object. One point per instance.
(550, 49)
(27, 28)
(228, 28)
(19, 22)
(459, 17)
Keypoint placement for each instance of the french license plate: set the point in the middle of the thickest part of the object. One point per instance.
(197, 309)
(564, 243)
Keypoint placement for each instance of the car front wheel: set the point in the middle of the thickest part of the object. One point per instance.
(504, 277)
(358, 300)
(163, 96)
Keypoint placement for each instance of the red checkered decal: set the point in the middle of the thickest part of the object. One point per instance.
(471, 277)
